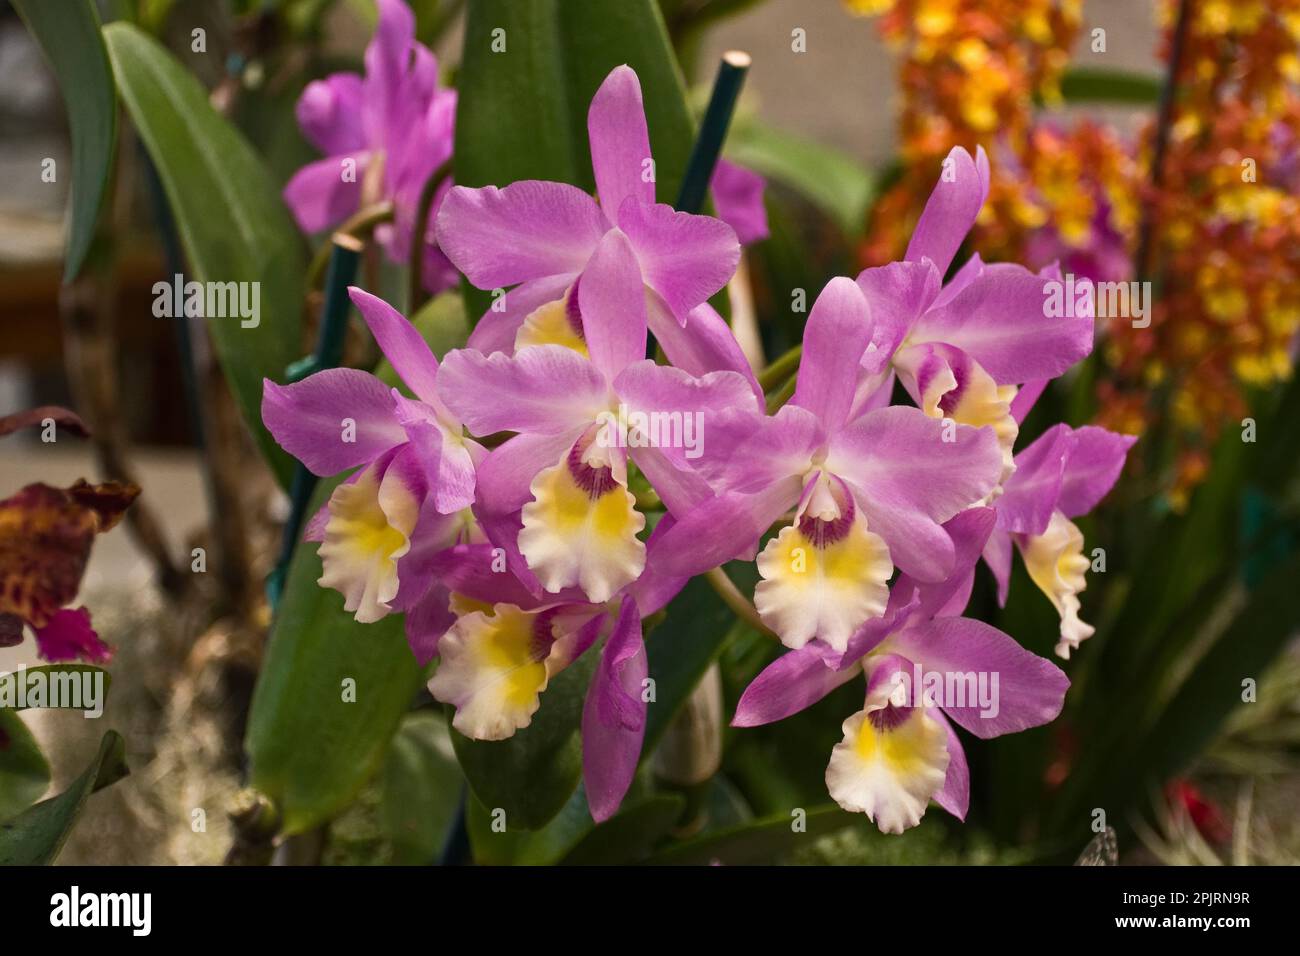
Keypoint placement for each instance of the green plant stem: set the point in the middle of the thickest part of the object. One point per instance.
(781, 369)
(415, 295)
(779, 398)
(358, 226)
(738, 603)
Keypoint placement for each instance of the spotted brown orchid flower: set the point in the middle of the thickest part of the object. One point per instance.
(45, 538)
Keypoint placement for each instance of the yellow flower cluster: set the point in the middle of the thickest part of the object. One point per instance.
(1226, 224)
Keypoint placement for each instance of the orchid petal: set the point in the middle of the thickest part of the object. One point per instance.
(329, 113)
(897, 295)
(474, 572)
(909, 479)
(706, 344)
(822, 589)
(386, 59)
(967, 273)
(611, 299)
(528, 230)
(542, 388)
(655, 587)
(997, 555)
(1031, 494)
(68, 636)
(837, 333)
(951, 209)
(620, 142)
(493, 670)
(684, 258)
(505, 474)
(426, 622)
(747, 452)
(969, 530)
(678, 486)
(332, 421)
(738, 197)
(1028, 692)
(946, 383)
(723, 528)
(954, 796)
(444, 454)
(499, 325)
(433, 535)
(682, 403)
(890, 763)
(874, 392)
(1001, 321)
(581, 530)
(369, 530)
(401, 343)
(321, 196)
(794, 681)
(1056, 563)
(1025, 398)
(1092, 468)
(614, 716)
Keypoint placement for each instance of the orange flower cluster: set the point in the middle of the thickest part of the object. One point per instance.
(970, 74)
(1074, 200)
(1225, 225)
(1225, 252)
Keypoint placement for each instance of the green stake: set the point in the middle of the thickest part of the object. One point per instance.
(345, 254)
(708, 143)
(713, 130)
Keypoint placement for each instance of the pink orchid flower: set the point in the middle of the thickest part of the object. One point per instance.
(541, 238)
(506, 645)
(384, 135)
(925, 666)
(961, 348)
(1064, 473)
(868, 492)
(410, 497)
(555, 494)
(738, 197)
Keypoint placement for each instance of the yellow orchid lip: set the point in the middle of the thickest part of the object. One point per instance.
(889, 765)
(824, 575)
(369, 529)
(558, 322)
(1056, 563)
(498, 659)
(582, 525)
(493, 670)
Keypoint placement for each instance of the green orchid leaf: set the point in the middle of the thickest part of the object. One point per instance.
(24, 771)
(329, 697)
(231, 220)
(35, 837)
(69, 35)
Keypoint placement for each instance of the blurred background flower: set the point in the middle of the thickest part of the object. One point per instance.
(1224, 246)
